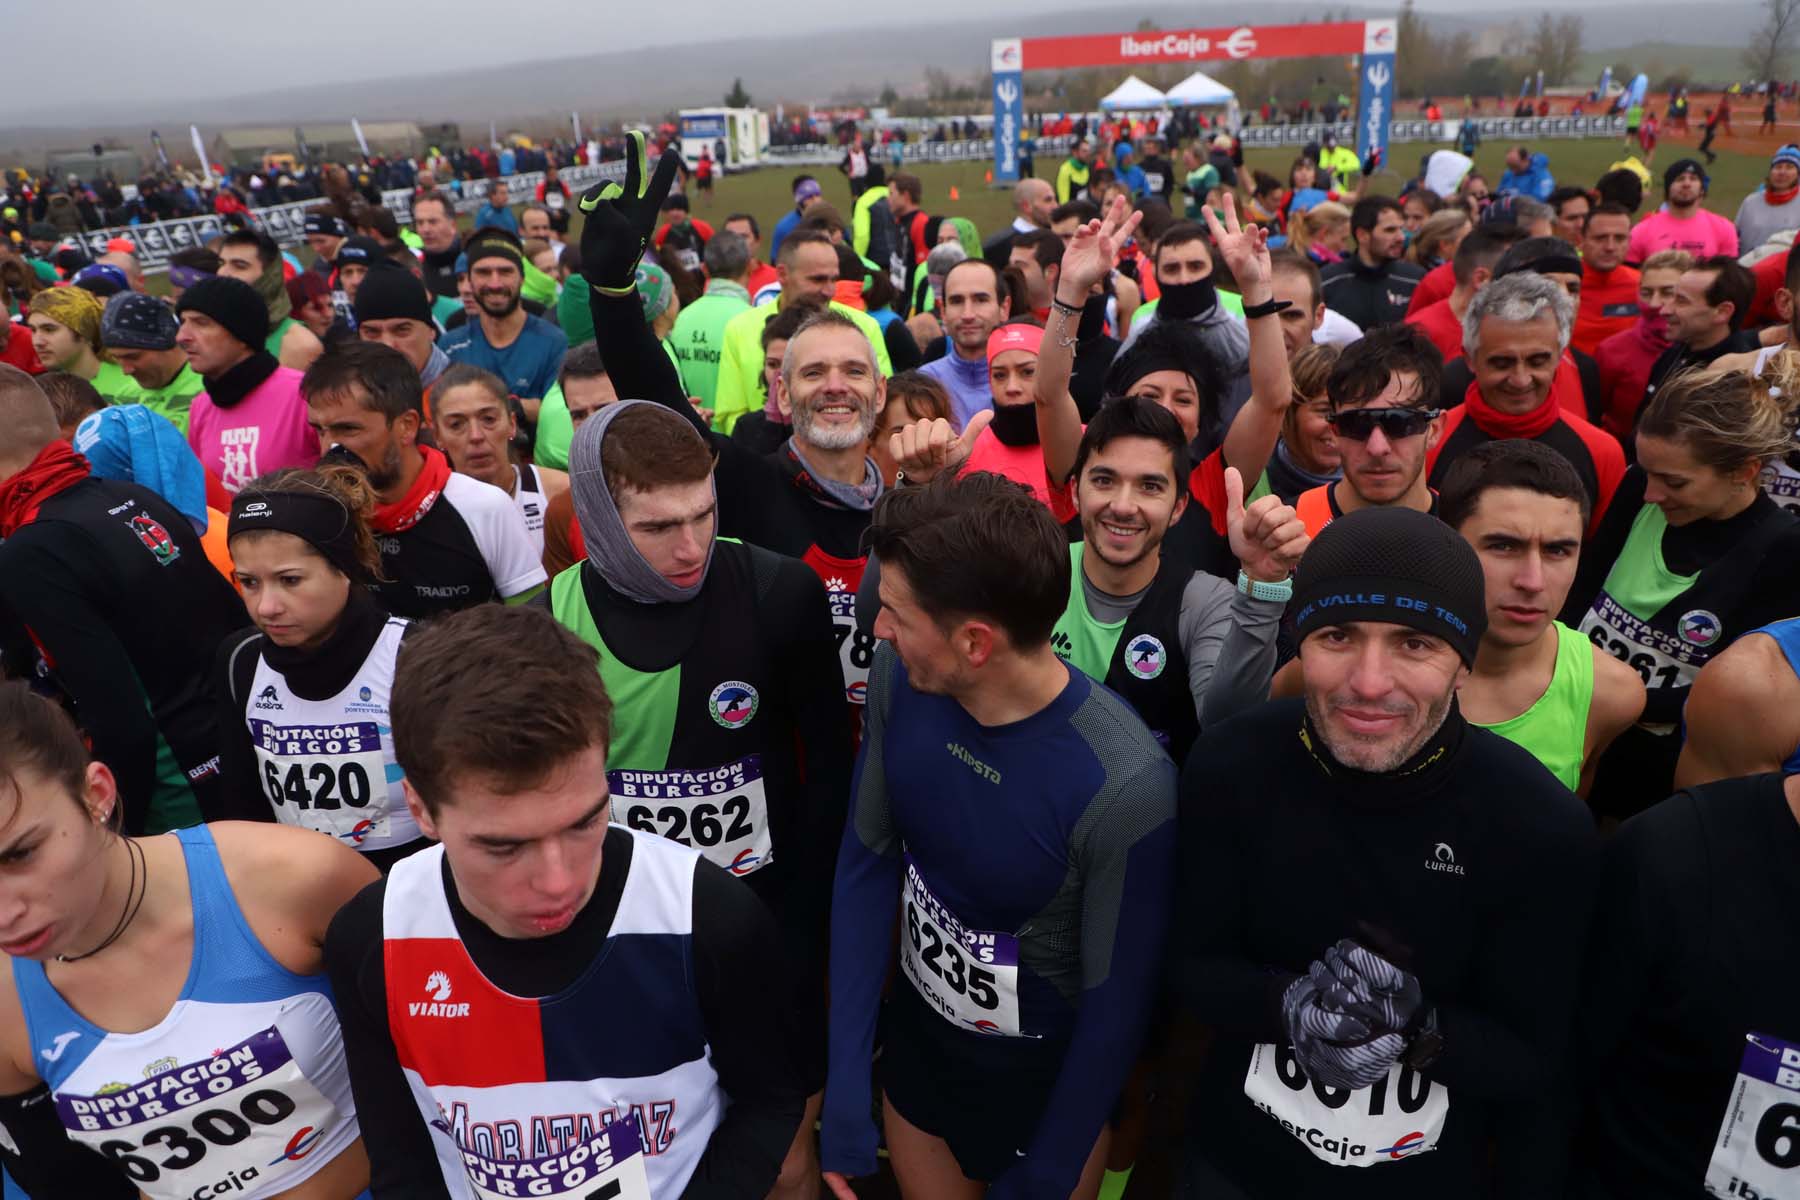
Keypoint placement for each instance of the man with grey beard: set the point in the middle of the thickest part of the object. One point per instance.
(1381, 906)
(812, 498)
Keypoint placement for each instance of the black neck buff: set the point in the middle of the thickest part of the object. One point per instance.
(1015, 424)
(1420, 774)
(321, 672)
(231, 386)
(1180, 301)
(316, 518)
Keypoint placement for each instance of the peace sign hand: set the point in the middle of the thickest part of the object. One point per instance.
(1268, 538)
(925, 448)
(1091, 253)
(1245, 249)
(618, 221)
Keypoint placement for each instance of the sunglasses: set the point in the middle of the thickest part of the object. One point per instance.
(1395, 423)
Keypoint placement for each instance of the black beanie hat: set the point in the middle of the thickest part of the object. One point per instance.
(232, 303)
(390, 291)
(1397, 565)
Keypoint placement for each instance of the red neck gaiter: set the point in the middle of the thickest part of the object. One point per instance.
(56, 468)
(407, 511)
(1499, 425)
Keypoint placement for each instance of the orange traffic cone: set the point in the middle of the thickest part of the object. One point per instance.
(954, 194)
(988, 177)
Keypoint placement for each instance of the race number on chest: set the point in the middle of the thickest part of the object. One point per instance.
(1396, 1118)
(723, 812)
(1758, 1150)
(969, 976)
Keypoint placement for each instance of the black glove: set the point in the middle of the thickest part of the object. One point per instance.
(619, 221)
(1378, 991)
(1335, 1046)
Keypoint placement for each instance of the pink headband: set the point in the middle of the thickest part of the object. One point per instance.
(1014, 337)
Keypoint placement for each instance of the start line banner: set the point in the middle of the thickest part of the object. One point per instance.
(158, 240)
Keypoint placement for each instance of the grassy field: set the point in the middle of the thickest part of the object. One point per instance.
(766, 193)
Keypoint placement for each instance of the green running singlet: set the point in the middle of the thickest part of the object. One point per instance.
(1554, 728)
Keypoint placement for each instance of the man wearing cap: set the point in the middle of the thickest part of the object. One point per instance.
(523, 350)
(392, 308)
(1681, 224)
(1514, 336)
(250, 419)
(1771, 209)
(65, 332)
(682, 233)
(325, 235)
(807, 193)
(354, 259)
(139, 333)
(1380, 907)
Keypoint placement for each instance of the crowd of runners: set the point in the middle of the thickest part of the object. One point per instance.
(1215, 687)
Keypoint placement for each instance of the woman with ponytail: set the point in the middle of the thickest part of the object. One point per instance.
(305, 692)
(1692, 553)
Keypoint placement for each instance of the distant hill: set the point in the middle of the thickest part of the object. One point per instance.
(795, 70)
(1710, 64)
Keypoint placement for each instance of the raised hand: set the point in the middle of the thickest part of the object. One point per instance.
(618, 221)
(924, 448)
(1268, 537)
(1091, 253)
(1245, 249)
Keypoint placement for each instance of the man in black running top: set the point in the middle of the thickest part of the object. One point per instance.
(812, 498)
(1382, 906)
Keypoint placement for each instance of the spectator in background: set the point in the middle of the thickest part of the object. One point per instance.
(1681, 223)
(698, 335)
(682, 234)
(434, 220)
(1706, 318)
(1571, 206)
(65, 333)
(495, 211)
(807, 193)
(1771, 209)
(1373, 286)
(1625, 359)
(139, 333)
(1608, 287)
(1526, 174)
(761, 274)
(250, 419)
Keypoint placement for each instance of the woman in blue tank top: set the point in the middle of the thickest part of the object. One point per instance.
(164, 1003)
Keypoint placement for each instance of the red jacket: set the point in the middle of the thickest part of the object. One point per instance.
(1438, 323)
(1608, 306)
(1625, 360)
(1437, 285)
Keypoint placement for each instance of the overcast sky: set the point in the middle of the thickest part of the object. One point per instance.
(193, 48)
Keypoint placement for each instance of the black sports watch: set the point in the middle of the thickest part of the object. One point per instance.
(1425, 1041)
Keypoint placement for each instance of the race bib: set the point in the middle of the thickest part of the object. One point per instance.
(856, 649)
(1758, 1150)
(1396, 1118)
(553, 200)
(1153, 182)
(1661, 660)
(723, 812)
(1782, 483)
(607, 1166)
(328, 778)
(970, 977)
(215, 1127)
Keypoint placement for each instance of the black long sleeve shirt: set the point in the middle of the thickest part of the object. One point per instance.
(1470, 864)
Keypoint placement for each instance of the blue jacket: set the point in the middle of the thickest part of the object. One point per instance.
(1535, 181)
(503, 217)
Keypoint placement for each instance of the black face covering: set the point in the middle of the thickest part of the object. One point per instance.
(1183, 300)
(1015, 424)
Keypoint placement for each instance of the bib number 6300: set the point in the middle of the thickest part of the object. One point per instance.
(217, 1126)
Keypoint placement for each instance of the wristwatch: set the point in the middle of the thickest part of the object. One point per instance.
(1425, 1043)
(1256, 589)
